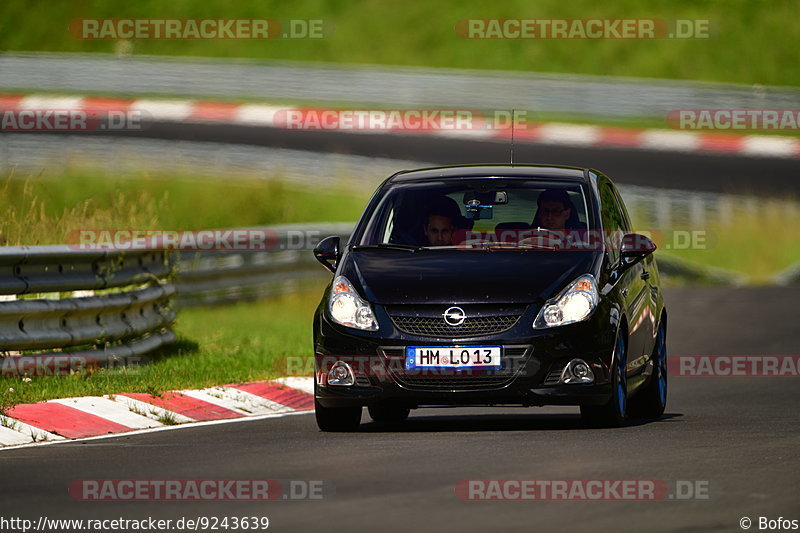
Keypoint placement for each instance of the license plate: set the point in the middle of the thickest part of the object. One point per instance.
(452, 357)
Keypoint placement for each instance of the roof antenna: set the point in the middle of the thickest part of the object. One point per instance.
(513, 120)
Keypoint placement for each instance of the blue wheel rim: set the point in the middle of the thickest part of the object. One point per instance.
(622, 399)
(661, 365)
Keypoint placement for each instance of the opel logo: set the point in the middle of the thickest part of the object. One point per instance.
(454, 316)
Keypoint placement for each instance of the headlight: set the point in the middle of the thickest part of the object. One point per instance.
(347, 308)
(573, 304)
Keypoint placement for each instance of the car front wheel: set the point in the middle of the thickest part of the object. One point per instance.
(652, 400)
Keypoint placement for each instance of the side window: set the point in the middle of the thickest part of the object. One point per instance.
(614, 223)
(625, 216)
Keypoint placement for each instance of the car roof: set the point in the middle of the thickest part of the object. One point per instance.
(502, 170)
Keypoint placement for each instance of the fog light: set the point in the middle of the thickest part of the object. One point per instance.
(580, 370)
(341, 374)
(577, 371)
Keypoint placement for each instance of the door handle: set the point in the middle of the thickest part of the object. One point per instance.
(645, 275)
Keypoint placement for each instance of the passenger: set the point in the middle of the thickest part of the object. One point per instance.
(440, 223)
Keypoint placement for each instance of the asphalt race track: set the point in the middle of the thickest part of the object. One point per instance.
(712, 172)
(740, 435)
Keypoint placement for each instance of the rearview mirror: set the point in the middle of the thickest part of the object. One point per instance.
(479, 205)
(327, 252)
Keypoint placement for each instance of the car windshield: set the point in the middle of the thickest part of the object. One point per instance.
(478, 213)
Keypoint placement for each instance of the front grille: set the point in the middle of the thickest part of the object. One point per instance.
(471, 327)
(512, 360)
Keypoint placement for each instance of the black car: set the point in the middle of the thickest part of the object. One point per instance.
(491, 285)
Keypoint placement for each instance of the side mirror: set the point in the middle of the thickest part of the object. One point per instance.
(636, 247)
(327, 252)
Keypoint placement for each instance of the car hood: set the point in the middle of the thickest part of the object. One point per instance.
(460, 276)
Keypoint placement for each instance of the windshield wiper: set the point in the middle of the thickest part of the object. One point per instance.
(388, 246)
(521, 246)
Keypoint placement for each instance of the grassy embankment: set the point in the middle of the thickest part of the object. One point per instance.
(750, 42)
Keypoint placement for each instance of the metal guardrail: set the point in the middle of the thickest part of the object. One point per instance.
(213, 278)
(70, 308)
(44, 323)
(37, 269)
(365, 85)
(662, 208)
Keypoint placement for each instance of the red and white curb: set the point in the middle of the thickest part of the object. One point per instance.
(90, 416)
(198, 111)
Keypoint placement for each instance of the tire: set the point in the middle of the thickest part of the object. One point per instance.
(388, 413)
(613, 413)
(337, 419)
(651, 401)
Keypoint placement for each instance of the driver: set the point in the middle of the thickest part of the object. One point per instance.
(554, 210)
(556, 224)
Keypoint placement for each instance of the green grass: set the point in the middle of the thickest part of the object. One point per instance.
(752, 42)
(44, 210)
(217, 346)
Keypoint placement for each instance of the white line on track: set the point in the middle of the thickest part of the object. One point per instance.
(109, 410)
(300, 383)
(32, 433)
(149, 410)
(237, 400)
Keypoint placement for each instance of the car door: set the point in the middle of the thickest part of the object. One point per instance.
(641, 305)
(650, 298)
(631, 287)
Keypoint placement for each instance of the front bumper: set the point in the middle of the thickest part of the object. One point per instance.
(533, 361)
